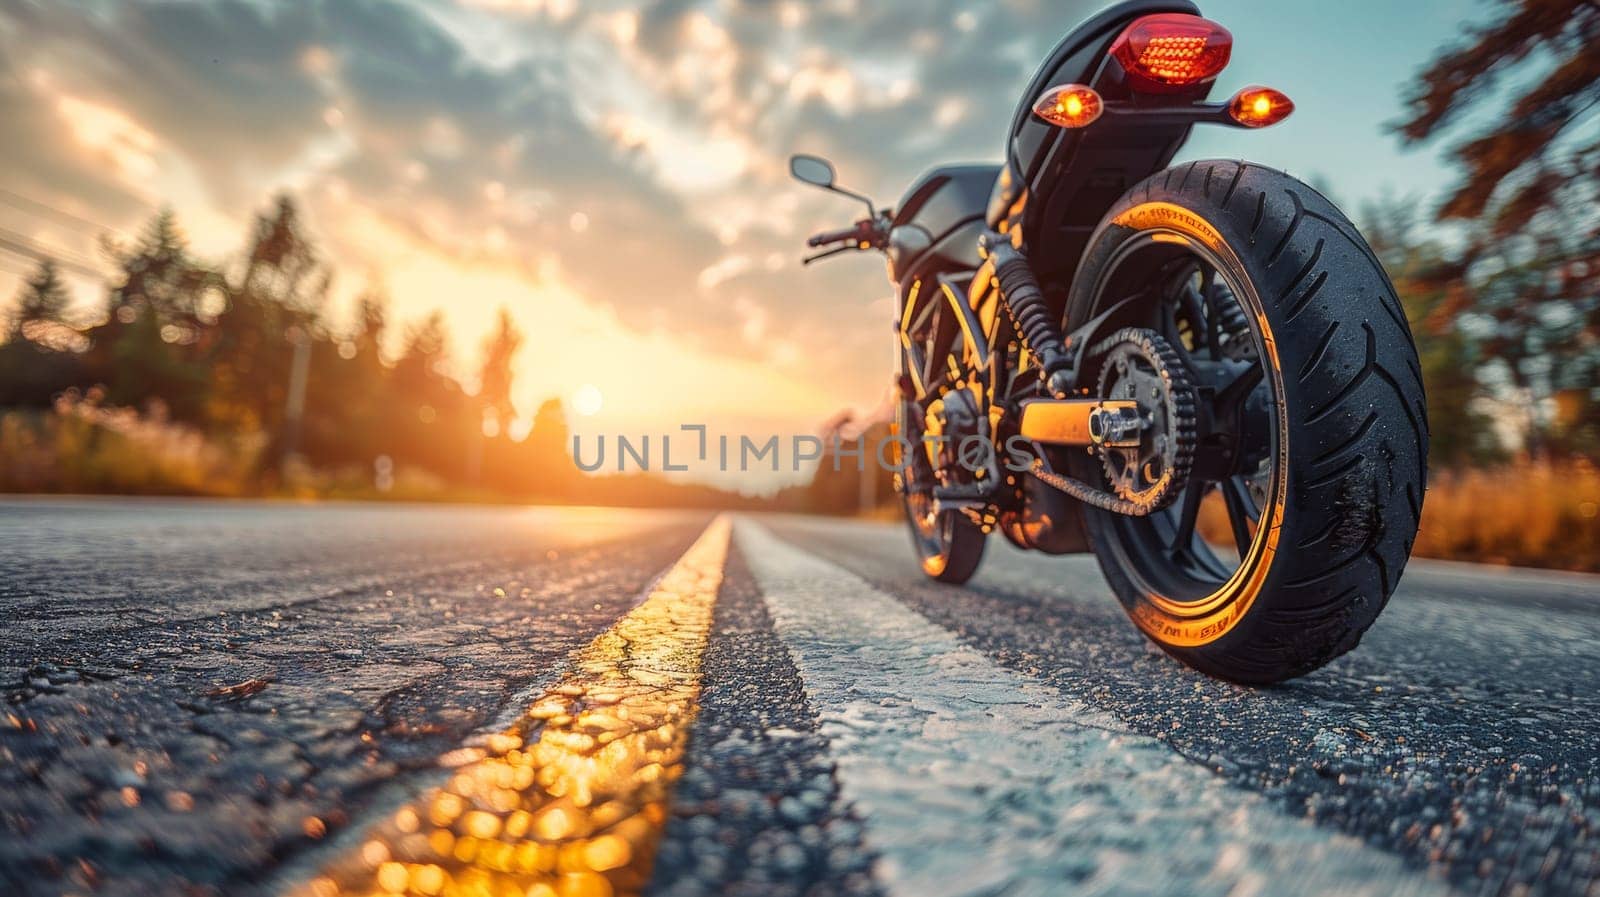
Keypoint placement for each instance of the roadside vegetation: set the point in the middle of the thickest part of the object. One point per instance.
(1530, 514)
(230, 379)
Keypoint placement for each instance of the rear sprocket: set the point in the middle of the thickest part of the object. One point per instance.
(1151, 465)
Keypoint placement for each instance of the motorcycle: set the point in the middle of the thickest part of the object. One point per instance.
(1199, 373)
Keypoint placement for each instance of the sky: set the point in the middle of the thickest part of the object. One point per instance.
(614, 173)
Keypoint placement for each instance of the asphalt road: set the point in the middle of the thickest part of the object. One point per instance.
(209, 698)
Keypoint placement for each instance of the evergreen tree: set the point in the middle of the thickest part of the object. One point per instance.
(372, 318)
(496, 374)
(274, 305)
(150, 348)
(282, 265)
(435, 426)
(35, 368)
(43, 298)
(552, 473)
(158, 276)
(423, 358)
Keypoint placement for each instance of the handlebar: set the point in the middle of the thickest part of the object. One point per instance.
(855, 233)
(868, 233)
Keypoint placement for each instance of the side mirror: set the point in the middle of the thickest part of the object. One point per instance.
(818, 172)
(813, 170)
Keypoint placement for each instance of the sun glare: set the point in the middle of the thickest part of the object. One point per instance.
(587, 400)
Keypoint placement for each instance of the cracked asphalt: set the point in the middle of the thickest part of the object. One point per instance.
(223, 698)
(383, 637)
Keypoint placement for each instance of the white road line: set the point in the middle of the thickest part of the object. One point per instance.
(973, 779)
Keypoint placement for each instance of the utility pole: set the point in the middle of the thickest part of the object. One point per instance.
(869, 474)
(294, 407)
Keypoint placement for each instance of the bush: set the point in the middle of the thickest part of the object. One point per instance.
(80, 446)
(1534, 514)
(1528, 514)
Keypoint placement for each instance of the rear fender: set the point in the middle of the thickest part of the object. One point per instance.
(1058, 183)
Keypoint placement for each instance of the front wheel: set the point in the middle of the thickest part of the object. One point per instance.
(1301, 500)
(948, 545)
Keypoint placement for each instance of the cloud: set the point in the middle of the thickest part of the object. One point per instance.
(219, 82)
(634, 155)
(724, 269)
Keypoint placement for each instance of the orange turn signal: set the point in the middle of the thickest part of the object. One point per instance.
(1257, 107)
(1069, 105)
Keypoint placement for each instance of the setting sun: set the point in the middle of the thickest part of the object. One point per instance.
(587, 400)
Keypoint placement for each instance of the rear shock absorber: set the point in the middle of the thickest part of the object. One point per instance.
(1023, 299)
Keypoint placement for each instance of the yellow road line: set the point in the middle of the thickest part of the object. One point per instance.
(570, 801)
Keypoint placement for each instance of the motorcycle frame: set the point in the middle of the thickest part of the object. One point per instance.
(1060, 197)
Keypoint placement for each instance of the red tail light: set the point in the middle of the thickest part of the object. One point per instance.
(1170, 52)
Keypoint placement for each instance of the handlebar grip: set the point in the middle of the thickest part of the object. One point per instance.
(833, 236)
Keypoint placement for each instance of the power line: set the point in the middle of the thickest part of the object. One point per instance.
(25, 245)
(27, 204)
(18, 244)
(10, 267)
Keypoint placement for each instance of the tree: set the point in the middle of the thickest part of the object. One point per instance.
(372, 317)
(435, 424)
(551, 471)
(282, 264)
(1530, 263)
(273, 306)
(150, 346)
(1428, 282)
(43, 299)
(158, 276)
(1528, 144)
(423, 357)
(36, 366)
(350, 405)
(496, 375)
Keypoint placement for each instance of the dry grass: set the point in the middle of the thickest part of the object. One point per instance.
(1527, 514)
(82, 447)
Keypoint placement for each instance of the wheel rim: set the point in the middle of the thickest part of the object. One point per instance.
(1186, 557)
(930, 531)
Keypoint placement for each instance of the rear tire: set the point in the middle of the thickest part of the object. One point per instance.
(1351, 427)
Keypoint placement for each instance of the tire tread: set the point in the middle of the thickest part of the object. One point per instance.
(1358, 427)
